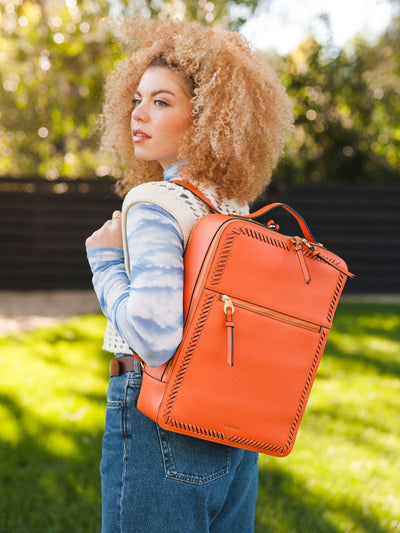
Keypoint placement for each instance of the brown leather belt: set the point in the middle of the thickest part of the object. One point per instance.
(128, 363)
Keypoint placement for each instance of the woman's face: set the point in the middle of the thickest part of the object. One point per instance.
(161, 116)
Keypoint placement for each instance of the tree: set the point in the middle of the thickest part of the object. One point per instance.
(54, 60)
(54, 56)
(347, 111)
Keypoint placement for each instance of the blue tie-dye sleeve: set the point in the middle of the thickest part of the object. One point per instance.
(147, 310)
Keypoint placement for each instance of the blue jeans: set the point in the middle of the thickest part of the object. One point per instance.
(155, 481)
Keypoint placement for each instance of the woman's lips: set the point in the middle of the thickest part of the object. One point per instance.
(139, 136)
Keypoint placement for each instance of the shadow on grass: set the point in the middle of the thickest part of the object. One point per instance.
(376, 364)
(43, 490)
(363, 333)
(364, 429)
(285, 505)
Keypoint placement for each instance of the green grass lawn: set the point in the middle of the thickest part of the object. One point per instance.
(342, 476)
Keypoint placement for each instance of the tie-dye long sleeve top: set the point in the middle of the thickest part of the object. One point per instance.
(146, 310)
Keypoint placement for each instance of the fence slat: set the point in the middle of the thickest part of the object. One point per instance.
(43, 229)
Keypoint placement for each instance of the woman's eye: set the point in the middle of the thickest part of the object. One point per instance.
(158, 103)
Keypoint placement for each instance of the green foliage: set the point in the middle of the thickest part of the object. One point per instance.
(53, 59)
(347, 110)
(341, 476)
(54, 56)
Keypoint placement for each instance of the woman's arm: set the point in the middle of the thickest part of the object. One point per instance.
(146, 310)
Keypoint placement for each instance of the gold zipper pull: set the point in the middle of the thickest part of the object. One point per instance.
(299, 249)
(229, 310)
(227, 303)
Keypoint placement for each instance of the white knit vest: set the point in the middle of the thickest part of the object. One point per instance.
(185, 208)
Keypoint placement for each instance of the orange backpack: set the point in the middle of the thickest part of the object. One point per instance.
(258, 307)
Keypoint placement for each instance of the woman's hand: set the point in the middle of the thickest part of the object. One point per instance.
(110, 234)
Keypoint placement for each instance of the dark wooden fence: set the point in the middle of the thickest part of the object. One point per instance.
(43, 226)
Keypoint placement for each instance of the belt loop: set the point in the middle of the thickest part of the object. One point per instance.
(114, 367)
(138, 367)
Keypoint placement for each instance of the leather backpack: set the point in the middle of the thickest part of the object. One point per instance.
(258, 307)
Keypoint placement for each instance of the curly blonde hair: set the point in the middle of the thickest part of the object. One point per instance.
(240, 116)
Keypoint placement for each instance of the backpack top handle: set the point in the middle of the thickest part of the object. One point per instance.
(260, 212)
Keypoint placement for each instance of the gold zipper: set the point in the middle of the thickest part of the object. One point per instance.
(229, 310)
(228, 300)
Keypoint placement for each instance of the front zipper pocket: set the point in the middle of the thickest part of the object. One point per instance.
(229, 308)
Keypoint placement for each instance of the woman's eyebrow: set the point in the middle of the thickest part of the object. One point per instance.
(158, 91)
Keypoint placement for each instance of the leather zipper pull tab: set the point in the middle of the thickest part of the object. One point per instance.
(228, 310)
(299, 249)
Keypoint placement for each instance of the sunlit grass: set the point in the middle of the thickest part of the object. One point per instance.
(342, 476)
(52, 390)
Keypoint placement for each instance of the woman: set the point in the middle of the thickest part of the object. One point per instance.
(196, 104)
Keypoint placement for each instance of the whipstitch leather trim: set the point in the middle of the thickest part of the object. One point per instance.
(327, 259)
(335, 297)
(264, 238)
(199, 430)
(223, 258)
(227, 247)
(307, 387)
(190, 351)
(261, 446)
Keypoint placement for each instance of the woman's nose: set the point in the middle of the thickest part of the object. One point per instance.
(139, 113)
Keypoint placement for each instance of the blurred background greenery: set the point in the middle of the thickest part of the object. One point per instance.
(55, 54)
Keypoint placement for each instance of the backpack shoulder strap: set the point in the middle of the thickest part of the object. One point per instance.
(194, 190)
(260, 212)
